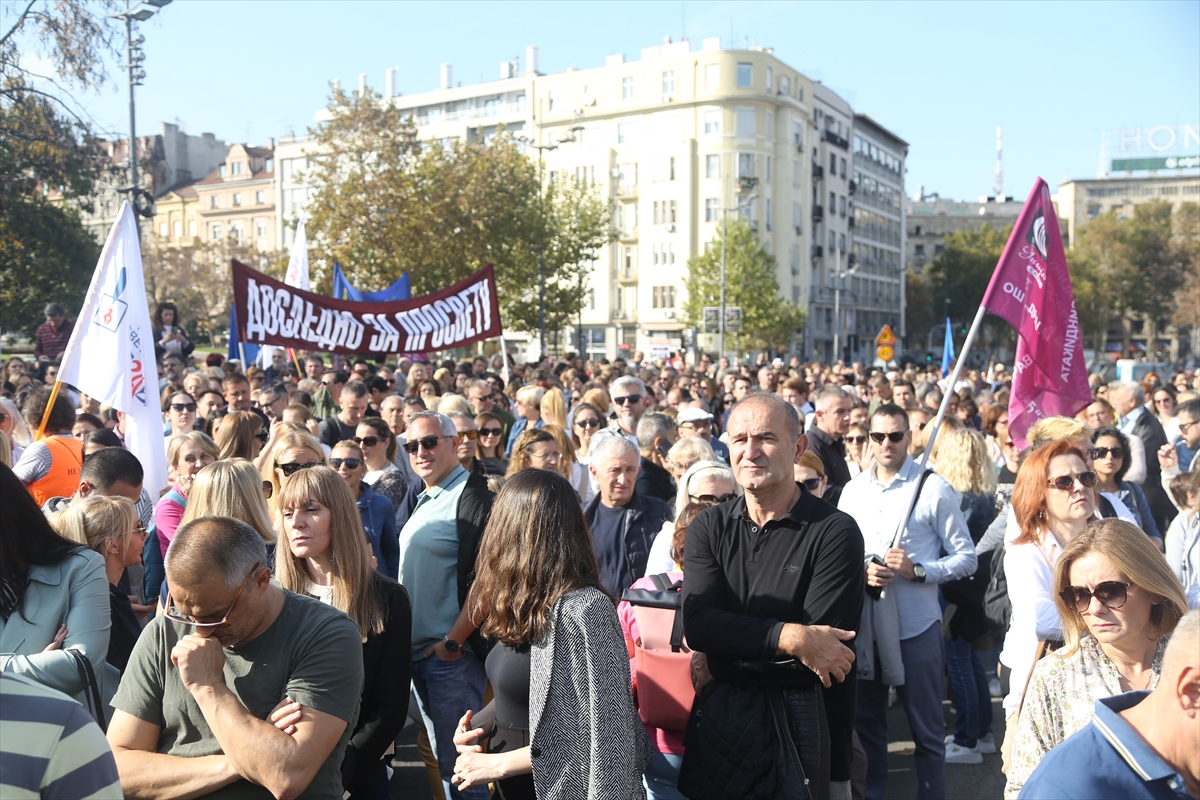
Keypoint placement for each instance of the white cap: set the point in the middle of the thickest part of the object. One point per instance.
(692, 415)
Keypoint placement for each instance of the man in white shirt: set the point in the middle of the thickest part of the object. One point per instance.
(876, 498)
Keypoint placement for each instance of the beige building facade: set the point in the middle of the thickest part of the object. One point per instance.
(237, 199)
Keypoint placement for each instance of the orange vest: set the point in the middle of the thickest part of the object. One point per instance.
(66, 461)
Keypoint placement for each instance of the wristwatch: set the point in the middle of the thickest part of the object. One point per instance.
(452, 646)
(918, 573)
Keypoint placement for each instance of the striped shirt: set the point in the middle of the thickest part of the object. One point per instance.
(50, 747)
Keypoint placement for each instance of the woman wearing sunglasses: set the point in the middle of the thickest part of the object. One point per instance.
(586, 420)
(858, 452)
(325, 555)
(180, 410)
(378, 446)
(1053, 501)
(1110, 460)
(810, 472)
(709, 481)
(110, 526)
(376, 512)
(1118, 602)
(294, 450)
(491, 438)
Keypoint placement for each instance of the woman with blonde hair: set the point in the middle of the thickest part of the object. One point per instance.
(1119, 602)
(600, 399)
(110, 526)
(536, 448)
(5, 450)
(325, 555)
(294, 450)
(452, 402)
(13, 424)
(708, 481)
(554, 408)
(686, 452)
(187, 454)
(232, 488)
(527, 404)
(240, 434)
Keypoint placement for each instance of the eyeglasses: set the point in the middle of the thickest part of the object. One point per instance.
(812, 484)
(1111, 594)
(175, 615)
(292, 468)
(183, 406)
(543, 457)
(587, 424)
(1183, 426)
(485, 432)
(468, 435)
(351, 463)
(428, 442)
(366, 441)
(482, 398)
(139, 531)
(860, 439)
(712, 498)
(1102, 452)
(894, 436)
(631, 399)
(1064, 483)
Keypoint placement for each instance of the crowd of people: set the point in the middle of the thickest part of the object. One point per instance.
(584, 578)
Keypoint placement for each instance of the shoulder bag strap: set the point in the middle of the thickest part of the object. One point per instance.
(90, 687)
(1037, 656)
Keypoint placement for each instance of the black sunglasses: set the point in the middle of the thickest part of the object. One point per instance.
(712, 498)
(632, 399)
(262, 436)
(812, 484)
(894, 436)
(292, 468)
(351, 463)
(1064, 483)
(1102, 452)
(1111, 594)
(587, 423)
(859, 439)
(491, 431)
(183, 406)
(366, 441)
(428, 442)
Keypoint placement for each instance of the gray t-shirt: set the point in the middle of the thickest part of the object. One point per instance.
(311, 653)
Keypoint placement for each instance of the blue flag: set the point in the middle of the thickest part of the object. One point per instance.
(248, 353)
(343, 290)
(948, 349)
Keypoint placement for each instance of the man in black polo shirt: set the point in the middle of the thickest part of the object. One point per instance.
(777, 575)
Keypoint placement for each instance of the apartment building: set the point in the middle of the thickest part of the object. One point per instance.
(291, 190)
(237, 199)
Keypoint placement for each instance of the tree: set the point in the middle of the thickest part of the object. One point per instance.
(1102, 276)
(46, 154)
(386, 203)
(750, 283)
(1185, 235)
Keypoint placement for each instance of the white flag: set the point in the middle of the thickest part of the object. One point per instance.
(297, 275)
(111, 353)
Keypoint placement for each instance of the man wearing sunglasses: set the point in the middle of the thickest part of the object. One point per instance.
(877, 498)
(481, 396)
(438, 547)
(629, 402)
(1188, 415)
(192, 710)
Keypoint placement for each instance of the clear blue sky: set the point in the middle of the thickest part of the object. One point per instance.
(940, 75)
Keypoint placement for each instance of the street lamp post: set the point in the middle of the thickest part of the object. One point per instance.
(142, 201)
(839, 276)
(744, 185)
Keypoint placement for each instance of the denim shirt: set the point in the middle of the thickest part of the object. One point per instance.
(379, 522)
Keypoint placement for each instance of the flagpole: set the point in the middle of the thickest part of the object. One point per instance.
(937, 421)
(46, 414)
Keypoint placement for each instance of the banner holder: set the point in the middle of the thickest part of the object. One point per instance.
(41, 431)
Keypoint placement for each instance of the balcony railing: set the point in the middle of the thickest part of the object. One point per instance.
(818, 212)
(498, 110)
(834, 139)
(818, 172)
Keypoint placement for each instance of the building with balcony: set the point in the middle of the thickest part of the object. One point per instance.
(237, 199)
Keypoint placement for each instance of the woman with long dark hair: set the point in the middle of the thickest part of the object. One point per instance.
(560, 672)
(62, 581)
(169, 335)
(1110, 459)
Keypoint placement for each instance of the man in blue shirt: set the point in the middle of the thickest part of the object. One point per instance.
(1139, 744)
(876, 499)
(438, 546)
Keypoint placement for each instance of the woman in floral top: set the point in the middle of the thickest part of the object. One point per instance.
(1119, 603)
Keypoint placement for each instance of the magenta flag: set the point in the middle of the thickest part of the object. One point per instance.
(1031, 289)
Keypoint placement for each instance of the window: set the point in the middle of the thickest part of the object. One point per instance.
(629, 259)
(712, 166)
(269, 165)
(832, 203)
(237, 198)
(627, 89)
(745, 76)
(656, 254)
(832, 241)
(712, 209)
(712, 121)
(797, 216)
(842, 205)
(800, 93)
(215, 202)
(664, 169)
(770, 78)
(627, 176)
(237, 168)
(260, 197)
(842, 242)
(937, 249)
(261, 228)
(162, 229)
(672, 215)
(628, 133)
(663, 296)
(745, 165)
(236, 230)
(712, 76)
(746, 120)
(832, 164)
(221, 170)
(585, 176)
(552, 100)
(843, 162)
(191, 227)
(767, 171)
(770, 125)
(216, 231)
(178, 229)
(785, 85)
(630, 216)
(769, 226)
(668, 83)
(657, 215)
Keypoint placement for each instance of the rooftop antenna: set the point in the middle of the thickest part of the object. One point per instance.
(998, 189)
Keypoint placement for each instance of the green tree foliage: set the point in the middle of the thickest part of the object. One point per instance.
(386, 203)
(1185, 233)
(46, 157)
(768, 319)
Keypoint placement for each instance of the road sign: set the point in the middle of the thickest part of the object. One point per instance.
(733, 318)
(886, 338)
(885, 353)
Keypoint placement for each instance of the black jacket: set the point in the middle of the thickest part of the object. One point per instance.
(833, 458)
(474, 508)
(654, 481)
(643, 521)
(1150, 431)
(387, 670)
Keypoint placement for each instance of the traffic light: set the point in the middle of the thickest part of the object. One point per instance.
(929, 357)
